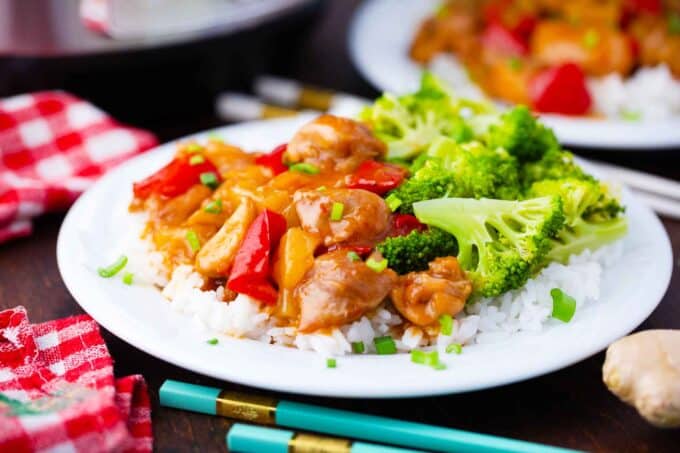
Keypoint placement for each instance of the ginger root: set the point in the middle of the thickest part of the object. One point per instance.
(643, 370)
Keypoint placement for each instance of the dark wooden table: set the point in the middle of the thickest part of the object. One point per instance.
(570, 408)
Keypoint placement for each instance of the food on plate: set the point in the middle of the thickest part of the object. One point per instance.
(643, 370)
(584, 57)
(428, 221)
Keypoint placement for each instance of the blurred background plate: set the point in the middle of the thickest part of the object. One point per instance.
(379, 39)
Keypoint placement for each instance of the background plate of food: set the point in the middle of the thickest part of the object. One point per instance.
(433, 247)
(603, 74)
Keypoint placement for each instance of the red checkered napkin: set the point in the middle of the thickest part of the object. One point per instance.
(53, 146)
(57, 391)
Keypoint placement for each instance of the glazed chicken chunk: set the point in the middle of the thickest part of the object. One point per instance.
(337, 290)
(332, 143)
(422, 297)
(364, 217)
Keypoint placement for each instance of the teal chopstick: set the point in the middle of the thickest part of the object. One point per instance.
(256, 439)
(264, 410)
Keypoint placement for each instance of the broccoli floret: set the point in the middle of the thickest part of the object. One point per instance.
(555, 164)
(592, 216)
(520, 133)
(414, 251)
(469, 170)
(408, 124)
(500, 242)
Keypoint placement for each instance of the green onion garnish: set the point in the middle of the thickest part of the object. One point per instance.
(358, 347)
(591, 39)
(213, 341)
(631, 115)
(209, 179)
(353, 256)
(377, 266)
(304, 167)
(424, 358)
(446, 324)
(128, 277)
(385, 345)
(454, 347)
(215, 137)
(564, 306)
(331, 363)
(393, 202)
(321, 188)
(110, 271)
(196, 159)
(515, 63)
(336, 211)
(674, 23)
(194, 242)
(214, 207)
(193, 147)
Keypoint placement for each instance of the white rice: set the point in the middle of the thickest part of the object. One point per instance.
(650, 94)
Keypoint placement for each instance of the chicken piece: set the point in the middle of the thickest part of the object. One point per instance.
(336, 144)
(365, 216)
(422, 297)
(607, 13)
(656, 45)
(227, 157)
(216, 256)
(337, 290)
(643, 369)
(505, 78)
(598, 50)
(174, 211)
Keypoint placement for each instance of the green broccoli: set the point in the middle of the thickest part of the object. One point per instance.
(592, 216)
(408, 124)
(555, 164)
(500, 242)
(469, 170)
(414, 251)
(520, 133)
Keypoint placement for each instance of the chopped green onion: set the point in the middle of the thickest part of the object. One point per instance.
(454, 347)
(515, 63)
(336, 211)
(194, 242)
(196, 159)
(113, 269)
(631, 115)
(564, 306)
(209, 179)
(674, 23)
(214, 207)
(377, 266)
(385, 345)
(331, 363)
(213, 341)
(446, 323)
(393, 202)
(215, 138)
(193, 147)
(430, 359)
(358, 347)
(321, 188)
(353, 256)
(128, 277)
(304, 167)
(591, 39)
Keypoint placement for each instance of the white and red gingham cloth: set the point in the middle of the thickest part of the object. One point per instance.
(58, 393)
(53, 146)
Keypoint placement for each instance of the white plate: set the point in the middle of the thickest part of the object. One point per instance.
(142, 317)
(379, 40)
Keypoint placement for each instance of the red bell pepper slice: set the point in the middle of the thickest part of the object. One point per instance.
(175, 178)
(502, 39)
(644, 6)
(403, 224)
(496, 13)
(560, 89)
(250, 272)
(376, 177)
(274, 159)
(361, 250)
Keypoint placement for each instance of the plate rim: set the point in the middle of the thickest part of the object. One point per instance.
(155, 348)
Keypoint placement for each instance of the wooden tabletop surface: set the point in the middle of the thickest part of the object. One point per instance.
(569, 408)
